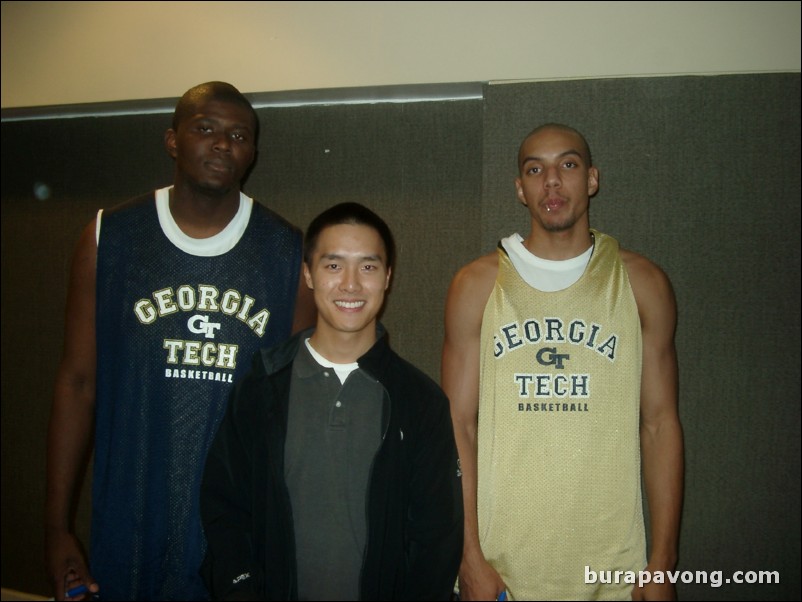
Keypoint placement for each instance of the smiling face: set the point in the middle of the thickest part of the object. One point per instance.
(348, 273)
(213, 147)
(556, 180)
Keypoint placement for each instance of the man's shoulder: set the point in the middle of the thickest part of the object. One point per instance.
(393, 370)
(129, 219)
(471, 287)
(651, 286)
(639, 267)
(267, 216)
(478, 274)
(414, 375)
(270, 367)
(418, 387)
(483, 266)
(147, 199)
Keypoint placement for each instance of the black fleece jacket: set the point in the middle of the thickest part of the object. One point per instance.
(414, 507)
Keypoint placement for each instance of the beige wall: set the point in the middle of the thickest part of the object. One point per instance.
(57, 53)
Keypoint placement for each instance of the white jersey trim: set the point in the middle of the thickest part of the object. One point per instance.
(220, 243)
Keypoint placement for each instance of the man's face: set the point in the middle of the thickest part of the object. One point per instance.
(348, 274)
(214, 148)
(555, 181)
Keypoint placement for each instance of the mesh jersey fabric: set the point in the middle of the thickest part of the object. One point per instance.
(174, 331)
(558, 439)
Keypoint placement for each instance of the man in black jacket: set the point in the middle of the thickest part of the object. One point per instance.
(334, 474)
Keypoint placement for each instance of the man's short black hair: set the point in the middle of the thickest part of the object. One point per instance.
(355, 215)
(221, 91)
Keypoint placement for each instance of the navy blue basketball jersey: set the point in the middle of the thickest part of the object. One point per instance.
(178, 321)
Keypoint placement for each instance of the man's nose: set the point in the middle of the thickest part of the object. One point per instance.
(553, 176)
(222, 142)
(350, 281)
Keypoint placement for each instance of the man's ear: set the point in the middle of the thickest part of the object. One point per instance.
(593, 181)
(308, 277)
(169, 143)
(519, 192)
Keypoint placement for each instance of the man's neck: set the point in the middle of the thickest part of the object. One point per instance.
(342, 347)
(558, 246)
(202, 215)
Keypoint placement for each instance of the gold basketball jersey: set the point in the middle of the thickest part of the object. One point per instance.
(559, 481)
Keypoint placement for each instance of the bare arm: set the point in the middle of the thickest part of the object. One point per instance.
(661, 431)
(69, 437)
(465, 303)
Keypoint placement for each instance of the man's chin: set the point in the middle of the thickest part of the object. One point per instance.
(215, 189)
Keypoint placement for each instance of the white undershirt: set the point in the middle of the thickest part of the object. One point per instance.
(544, 274)
(342, 370)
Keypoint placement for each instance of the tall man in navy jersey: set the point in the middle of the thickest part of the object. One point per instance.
(170, 295)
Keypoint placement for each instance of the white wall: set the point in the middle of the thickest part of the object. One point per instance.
(57, 53)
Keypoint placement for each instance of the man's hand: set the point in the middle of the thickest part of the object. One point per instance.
(67, 568)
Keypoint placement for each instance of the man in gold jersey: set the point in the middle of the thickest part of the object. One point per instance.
(560, 364)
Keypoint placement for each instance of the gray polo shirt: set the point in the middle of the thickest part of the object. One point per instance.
(333, 432)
